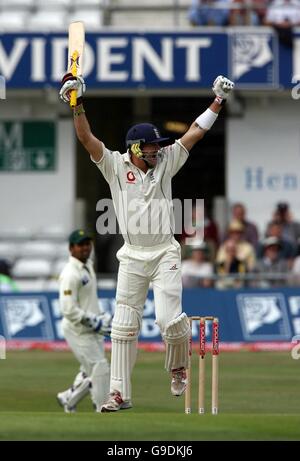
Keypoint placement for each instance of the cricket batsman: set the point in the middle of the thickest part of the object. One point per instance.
(140, 180)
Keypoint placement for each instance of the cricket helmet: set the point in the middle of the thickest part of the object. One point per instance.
(145, 133)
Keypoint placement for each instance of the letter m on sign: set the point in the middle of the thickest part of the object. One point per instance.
(2, 87)
(11, 135)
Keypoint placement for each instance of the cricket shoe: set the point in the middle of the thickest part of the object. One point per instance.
(63, 398)
(179, 381)
(115, 403)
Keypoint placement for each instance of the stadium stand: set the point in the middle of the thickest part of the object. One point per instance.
(92, 17)
(38, 249)
(53, 15)
(9, 251)
(17, 234)
(31, 268)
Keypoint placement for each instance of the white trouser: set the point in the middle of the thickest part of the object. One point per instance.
(160, 265)
(88, 348)
(139, 266)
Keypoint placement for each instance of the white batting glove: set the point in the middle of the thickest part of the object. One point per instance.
(222, 86)
(69, 82)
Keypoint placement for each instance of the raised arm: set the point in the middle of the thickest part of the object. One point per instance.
(221, 87)
(93, 145)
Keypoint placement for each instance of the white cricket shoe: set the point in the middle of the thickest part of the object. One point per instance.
(179, 381)
(63, 398)
(115, 403)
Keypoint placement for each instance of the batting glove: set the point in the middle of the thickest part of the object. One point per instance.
(69, 82)
(222, 86)
(98, 323)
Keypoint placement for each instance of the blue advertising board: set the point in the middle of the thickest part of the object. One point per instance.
(246, 316)
(252, 57)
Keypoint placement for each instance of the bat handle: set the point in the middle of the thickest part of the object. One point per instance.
(74, 58)
(73, 99)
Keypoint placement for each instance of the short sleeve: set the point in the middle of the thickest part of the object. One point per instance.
(176, 155)
(108, 163)
(68, 298)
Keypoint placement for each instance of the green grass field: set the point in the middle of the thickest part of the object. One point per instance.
(259, 400)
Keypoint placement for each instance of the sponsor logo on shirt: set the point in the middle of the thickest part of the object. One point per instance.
(173, 268)
(152, 178)
(130, 177)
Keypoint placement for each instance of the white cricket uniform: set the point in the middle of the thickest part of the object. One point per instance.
(151, 255)
(147, 256)
(77, 296)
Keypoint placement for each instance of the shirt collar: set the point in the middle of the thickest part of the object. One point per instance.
(126, 157)
(77, 263)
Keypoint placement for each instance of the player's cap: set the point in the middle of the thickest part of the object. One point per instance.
(271, 241)
(78, 236)
(198, 245)
(236, 226)
(145, 133)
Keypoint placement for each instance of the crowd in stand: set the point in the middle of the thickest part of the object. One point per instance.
(241, 258)
(282, 14)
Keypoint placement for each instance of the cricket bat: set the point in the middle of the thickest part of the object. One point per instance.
(75, 54)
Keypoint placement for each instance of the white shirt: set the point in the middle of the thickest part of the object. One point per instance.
(78, 293)
(280, 10)
(143, 201)
(192, 272)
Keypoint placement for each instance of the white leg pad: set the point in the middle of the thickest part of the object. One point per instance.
(176, 336)
(79, 392)
(78, 379)
(125, 329)
(100, 383)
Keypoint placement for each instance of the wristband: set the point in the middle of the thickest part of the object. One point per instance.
(79, 110)
(207, 119)
(219, 100)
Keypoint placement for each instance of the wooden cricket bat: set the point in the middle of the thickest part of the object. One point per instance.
(75, 54)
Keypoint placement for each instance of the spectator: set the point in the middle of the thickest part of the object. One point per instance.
(203, 13)
(287, 250)
(229, 265)
(295, 272)
(211, 235)
(208, 228)
(245, 251)
(196, 270)
(290, 228)
(250, 233)
(271, 264)
(243, 16)
(7, 284)
(283, 15)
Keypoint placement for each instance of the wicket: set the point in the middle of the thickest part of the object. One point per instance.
(201, 374)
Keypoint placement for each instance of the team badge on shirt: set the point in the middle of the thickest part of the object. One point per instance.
(85, 280)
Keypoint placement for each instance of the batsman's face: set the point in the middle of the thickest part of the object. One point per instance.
(150, 152)
(82, 250)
